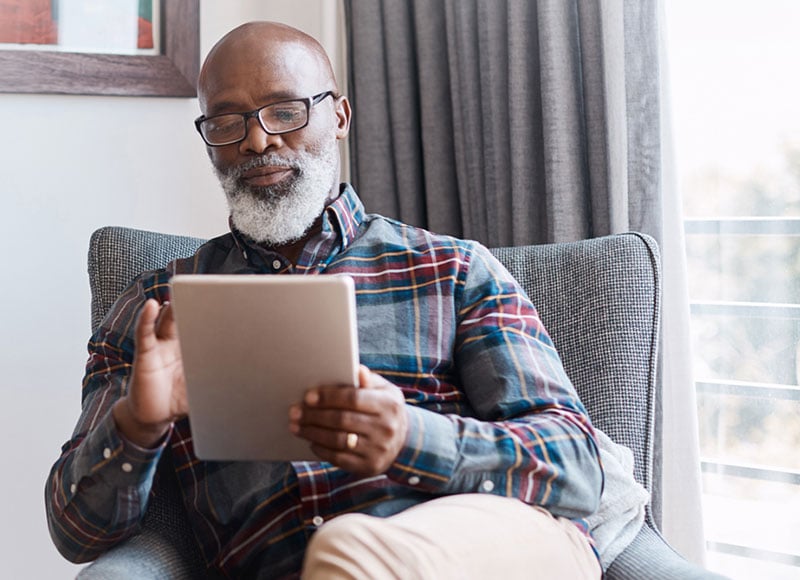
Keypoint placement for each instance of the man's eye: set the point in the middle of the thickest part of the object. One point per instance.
(223, 125)
(286, 114)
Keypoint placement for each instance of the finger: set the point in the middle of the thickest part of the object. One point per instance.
(348, 461)
(295, 414)
(371, 401)
(344, 394)
(332, 397)
(165, 325)
(145, 327)
(334, 440)
(364, 376)
(357, 461)
(337, 397)
(336, 419)
(370, 380)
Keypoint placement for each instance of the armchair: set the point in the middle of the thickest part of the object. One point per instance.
(599, 299)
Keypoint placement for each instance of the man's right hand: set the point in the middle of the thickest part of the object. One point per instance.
(156, 393)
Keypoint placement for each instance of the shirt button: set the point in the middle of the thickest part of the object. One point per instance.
(106, 452)
(73, 488)
(318, 521)
(276, 264)
(487, 485)
(127, 467)
(413, 480)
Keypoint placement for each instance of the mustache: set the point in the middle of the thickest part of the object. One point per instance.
(271, 160)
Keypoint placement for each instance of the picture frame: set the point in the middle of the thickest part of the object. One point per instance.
(172, 73)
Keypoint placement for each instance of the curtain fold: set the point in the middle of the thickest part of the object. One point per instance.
(681, 487)
(509, 122)
(513, 122)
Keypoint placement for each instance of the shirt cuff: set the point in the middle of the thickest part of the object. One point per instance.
(429, 455)
(105, 455)
(433, 458)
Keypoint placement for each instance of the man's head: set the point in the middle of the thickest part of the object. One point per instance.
(276, 185)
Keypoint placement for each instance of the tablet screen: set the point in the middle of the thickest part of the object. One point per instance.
(251, 346)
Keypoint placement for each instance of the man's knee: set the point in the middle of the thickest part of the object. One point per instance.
(345, 530)
(342, 548)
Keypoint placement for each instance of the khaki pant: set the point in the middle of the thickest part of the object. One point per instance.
(470, 536)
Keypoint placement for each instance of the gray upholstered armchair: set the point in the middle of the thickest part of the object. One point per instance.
(598, 298)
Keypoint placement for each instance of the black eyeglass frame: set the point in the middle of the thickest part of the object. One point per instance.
(309, 102)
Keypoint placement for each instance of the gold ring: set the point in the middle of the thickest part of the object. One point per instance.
(352, 440)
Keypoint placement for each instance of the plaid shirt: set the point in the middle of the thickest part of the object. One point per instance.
(490, 407)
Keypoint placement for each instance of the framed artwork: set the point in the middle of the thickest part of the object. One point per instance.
(96, 47)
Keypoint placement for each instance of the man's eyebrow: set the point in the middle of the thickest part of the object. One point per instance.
(232, 107)
(281, 96)
(223, 107)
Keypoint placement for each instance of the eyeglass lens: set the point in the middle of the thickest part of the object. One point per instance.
(277, 118)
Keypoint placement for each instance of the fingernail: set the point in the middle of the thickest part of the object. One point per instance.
(295, 413)
(311, 398)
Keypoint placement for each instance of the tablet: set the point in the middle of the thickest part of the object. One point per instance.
(251, 346)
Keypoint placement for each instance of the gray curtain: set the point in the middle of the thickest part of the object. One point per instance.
(507, 121)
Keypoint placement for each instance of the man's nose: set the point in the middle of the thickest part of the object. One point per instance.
(257, 140)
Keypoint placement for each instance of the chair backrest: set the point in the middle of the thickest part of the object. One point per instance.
(117, 255)
(598, 298)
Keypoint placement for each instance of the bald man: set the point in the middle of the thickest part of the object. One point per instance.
(466, 454)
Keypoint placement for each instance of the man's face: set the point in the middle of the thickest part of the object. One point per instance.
(282, 209)
(276, 185)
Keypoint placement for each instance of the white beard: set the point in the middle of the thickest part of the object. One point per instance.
(281, 213)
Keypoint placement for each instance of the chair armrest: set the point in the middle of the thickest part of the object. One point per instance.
(649, 557)
(164, 547)
(149, 555)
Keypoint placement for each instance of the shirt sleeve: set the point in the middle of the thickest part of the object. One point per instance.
(530, 436)
(97, 491)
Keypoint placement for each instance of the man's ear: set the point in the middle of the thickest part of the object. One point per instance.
(342, 117)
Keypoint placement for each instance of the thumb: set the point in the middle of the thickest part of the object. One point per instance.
(371, 380)
(364, 377)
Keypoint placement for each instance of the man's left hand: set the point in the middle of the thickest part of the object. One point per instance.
(360, 429)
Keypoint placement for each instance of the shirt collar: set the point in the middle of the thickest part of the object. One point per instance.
(344, 215)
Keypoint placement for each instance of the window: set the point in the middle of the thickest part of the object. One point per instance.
(736, 113)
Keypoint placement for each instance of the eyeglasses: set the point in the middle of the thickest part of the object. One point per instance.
(275, 119)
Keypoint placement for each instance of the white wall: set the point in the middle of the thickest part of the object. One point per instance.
(69, 164)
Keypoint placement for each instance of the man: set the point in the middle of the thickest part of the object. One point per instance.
(466, 454)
